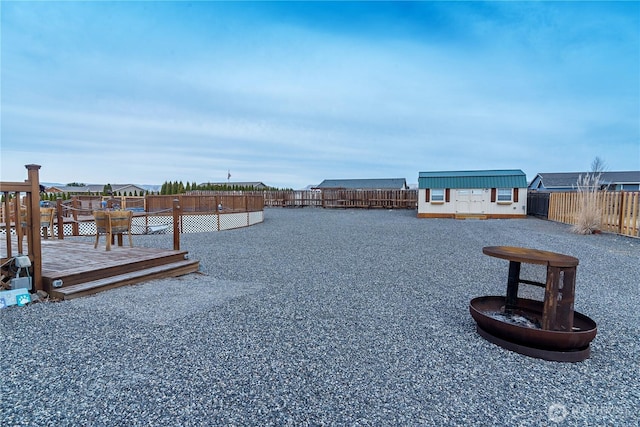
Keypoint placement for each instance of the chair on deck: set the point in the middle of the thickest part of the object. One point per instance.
(102, 227)
(46, 220)
(120, 223)
(111, 223)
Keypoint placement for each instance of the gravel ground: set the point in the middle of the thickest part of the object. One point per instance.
(327, 317)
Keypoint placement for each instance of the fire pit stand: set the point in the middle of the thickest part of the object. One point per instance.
(550, 329)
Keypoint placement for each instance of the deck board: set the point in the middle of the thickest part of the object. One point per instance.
(80, 265)
(62, 257)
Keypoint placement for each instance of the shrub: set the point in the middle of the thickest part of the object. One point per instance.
(589, 216)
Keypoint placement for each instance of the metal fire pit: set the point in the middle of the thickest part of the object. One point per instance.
(548, 329)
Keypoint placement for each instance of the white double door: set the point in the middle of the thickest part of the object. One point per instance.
(471, 201)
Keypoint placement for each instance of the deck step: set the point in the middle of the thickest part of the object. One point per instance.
(470, 216)
(173, 269)
(109, 264)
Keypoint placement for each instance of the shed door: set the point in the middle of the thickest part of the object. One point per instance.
(470, 201)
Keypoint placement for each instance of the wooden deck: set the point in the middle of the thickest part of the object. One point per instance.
(84, 270)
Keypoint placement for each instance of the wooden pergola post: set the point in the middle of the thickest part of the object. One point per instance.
(33, 231)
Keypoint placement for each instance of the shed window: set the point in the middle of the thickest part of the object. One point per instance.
(437, 194)
(504, 194)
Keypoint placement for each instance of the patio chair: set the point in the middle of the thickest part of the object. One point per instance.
(120, 223)
(46, 221)
(111, 223)
(102, 227)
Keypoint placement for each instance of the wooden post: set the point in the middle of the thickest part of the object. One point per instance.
(246, 207)
(621, 213)
(176, 224)
(513, 281)
(7, 222)
(59, 218)
(33, 232)
(634, 206)
(74, 211)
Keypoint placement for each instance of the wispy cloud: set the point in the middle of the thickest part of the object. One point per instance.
(293, 93)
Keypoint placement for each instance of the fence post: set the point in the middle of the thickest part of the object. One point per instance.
(74, 211)
(621, 213)
(59, 218)
(176, 225)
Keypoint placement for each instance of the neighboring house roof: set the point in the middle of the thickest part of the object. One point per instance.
(509, 178)
(54, 189)
(564, 181)
(254, 184)
(98, 188)
(364, 184)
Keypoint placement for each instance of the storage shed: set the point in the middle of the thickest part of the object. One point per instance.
(479, 194)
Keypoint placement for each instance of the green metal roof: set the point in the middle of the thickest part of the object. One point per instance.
(510, 178)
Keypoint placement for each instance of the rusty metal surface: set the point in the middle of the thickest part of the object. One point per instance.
(551, 355)
(481, 310)
(530, 256)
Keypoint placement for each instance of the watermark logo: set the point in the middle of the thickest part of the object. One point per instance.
(557, 412)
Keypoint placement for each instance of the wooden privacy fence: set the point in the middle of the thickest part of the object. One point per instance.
(292, 198)
(207, 202)
(336, 198)
(386, 199)
(327, 198)
(620, 210)
(253, 201)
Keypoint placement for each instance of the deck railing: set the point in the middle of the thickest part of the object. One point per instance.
(162, 214)
(620, 210)
(28, 225)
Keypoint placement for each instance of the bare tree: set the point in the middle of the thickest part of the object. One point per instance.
(598, 165)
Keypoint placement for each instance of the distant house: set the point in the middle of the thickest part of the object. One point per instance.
(472, 194)
(252, 184)
(122, 189)
(363, 184)
(54, 189)
(567, 181)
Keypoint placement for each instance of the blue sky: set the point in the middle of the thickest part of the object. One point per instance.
(292, 93)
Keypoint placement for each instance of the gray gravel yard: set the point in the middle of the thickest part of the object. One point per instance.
(327, 317)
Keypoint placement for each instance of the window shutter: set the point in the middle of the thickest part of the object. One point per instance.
(493, 195)
(515, 195)
(426, 195)
(447, 194)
